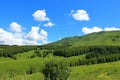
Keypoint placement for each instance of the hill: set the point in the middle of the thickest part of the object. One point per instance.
(100, 38)
(110, 38)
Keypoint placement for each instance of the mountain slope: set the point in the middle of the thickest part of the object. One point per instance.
(110, 38)
(100, 38)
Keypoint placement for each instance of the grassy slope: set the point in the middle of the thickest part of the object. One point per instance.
(23, 63)
(25, 55)
(107, 71)
(35, 76)
(98, 38)
(20, 66)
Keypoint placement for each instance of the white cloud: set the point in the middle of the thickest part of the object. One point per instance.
(91, 30)
(33, 34)
(15, 27)
(34, 37)
(43, 36)
(80, 15)
(49, 24)
(40, 15)
(43, 33)
(87, 30)
(111, 29)
(10, 38)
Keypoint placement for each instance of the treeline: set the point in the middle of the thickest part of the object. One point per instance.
(103, 51)
(72, 51)
(10, 51)
(93, 54)
(53, 46)
(94, 51)
(102, 59)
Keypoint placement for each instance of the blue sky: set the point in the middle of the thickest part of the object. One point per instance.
(43, 21)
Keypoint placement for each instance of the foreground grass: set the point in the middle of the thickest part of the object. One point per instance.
(16, 69)
(35, 76)
(106, 71)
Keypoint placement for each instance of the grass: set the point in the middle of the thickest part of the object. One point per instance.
(16, 69)
(98, 38)
(35, 76)
(25, 55)
(2, 59)
(20, 66)
(23, 63)
(106, 71)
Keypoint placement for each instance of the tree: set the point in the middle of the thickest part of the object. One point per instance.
(54, 70)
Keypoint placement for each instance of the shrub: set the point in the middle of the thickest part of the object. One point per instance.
(54, 70)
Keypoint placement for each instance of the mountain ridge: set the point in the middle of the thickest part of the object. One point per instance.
(109, 38)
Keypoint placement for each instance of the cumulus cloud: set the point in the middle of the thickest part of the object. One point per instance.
(33, 34)
(91, 30)
(34, 37)
(111, 29)
(43, 33)
(43, 36)
(15, 27)
(80, 15)
(10, 38)
(87, 30)
(49, 24)
(40, 15)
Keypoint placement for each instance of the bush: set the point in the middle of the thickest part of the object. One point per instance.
(54, 70)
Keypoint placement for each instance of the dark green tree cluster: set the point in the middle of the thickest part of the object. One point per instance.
(102, 59)
(54, 70)
(72, 51)
(43, 53)
(53, 46)
(10, 51)
(103, 51)
(94, 51)
(94, 54)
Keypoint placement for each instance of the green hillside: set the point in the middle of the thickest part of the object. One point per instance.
(100, 38)
(93, 39)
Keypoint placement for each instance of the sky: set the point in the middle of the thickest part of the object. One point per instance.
(36, 22)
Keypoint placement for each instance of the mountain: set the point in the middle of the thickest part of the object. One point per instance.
(100, 38)
(110, 38)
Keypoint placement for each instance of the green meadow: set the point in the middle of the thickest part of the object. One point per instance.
(16, 69)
